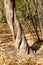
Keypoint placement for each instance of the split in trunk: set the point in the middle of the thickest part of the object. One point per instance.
(21, 44)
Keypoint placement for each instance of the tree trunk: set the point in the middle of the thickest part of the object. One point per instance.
(9, 14)
(21, 44)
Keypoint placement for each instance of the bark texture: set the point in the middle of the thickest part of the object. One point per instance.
(21, 44)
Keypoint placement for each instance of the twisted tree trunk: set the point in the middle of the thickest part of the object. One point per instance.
(21, 44)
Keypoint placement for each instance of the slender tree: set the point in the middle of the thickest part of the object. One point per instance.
(21, 44)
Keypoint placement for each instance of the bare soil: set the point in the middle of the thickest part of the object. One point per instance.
(6, 40)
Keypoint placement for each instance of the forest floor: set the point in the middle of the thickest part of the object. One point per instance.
(6, 40)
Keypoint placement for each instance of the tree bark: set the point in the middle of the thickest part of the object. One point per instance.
(9, 15)
(21, 44)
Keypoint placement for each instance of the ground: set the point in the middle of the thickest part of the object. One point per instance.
(6, 40)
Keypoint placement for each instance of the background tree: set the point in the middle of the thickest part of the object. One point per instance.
(34, 10)
(2, 14)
